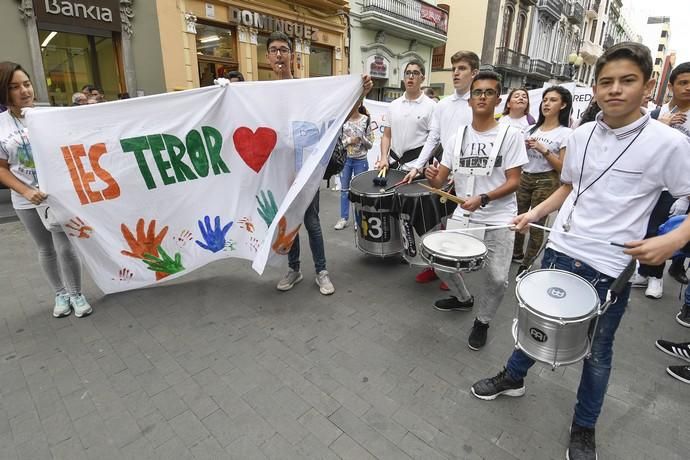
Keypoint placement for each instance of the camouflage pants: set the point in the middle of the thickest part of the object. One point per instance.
(534, 188)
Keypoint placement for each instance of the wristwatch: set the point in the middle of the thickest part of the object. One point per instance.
(484, 199)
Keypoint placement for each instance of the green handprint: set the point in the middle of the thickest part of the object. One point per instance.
(164, 264)
(267, 207)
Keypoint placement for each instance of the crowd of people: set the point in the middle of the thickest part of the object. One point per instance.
(616, 172)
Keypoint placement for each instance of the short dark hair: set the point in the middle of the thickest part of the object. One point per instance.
(87, 87)
(487, 75)
(278, 37)
(506, 110)
(680, 68)
(234, 74)
(469, 57)
(7, 70)
(635, 52)
(418, 63)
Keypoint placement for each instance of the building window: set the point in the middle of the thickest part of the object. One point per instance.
(72, 60)
(664, 33)
(216, 51)
(320, 61)
(601, 35)
(508, 14)
(657, 61)
(593, 32)
(661, 48)
(520, 31)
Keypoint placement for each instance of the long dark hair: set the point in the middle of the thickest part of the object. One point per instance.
(563, 115)
(590, 112)
(7, 70)
(506, 110)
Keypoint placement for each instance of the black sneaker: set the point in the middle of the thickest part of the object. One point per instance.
(478, 335)
(678, 274)
(683, 316)
(682, 373)
(582, 444)
(517, 258)
(521, 269)
(679, 350)
(501, 384)
(453, 304)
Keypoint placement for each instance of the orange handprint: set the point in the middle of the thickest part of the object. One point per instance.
(284, 240)
(246, 223)
(145, 242)
(79, 226)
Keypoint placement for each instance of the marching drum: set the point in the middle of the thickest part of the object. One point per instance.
(419, 211)
(453, 252)
(556, 314)
(376, 229)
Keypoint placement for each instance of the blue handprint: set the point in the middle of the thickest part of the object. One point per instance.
(267, 207)
(214, 236)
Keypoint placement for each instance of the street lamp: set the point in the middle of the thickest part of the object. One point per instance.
(574, 63)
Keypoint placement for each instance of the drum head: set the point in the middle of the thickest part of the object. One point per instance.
(557, 294)
(413, 189)
(453, 244)
(363, 184)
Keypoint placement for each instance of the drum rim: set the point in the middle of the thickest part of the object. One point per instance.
(573, 319)
(446, 257)
(370, 195)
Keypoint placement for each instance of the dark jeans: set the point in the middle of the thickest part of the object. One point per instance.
(597, 368)
(313, 226)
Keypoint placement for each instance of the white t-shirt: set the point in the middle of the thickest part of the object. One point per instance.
(410, 122)
(617, 207)
(520, 123)
(15, 148)
(685, 127)
(553, 139)
(451, 112)
(479, 145)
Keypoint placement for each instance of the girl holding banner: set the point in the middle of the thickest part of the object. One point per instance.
(56, 255)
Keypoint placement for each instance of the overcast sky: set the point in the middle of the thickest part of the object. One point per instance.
(679, 10)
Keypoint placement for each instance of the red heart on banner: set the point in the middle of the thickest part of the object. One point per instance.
(254, 146)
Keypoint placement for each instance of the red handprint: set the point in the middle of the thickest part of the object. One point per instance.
(284, 240)
(145, 242)
(79, 226)
(246, 223)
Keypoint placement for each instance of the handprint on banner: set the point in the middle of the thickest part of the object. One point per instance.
(230, 245)
(184, 237)
(214, 236)
(164, 263)
(253, 243)
(124, 275)
(145, 243)
(267, 207)
(284, 240)
(79, 226)
(246, 223)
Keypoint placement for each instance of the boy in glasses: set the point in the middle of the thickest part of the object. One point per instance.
(486, 162)
(614, 172)
(408, 121)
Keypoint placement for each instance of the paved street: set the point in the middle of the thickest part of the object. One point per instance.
(222, 365)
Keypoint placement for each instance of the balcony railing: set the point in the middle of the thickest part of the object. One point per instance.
(510, 59)
(562, 71)
(412, 11)
(592, 8)
(575, 12)
(540, 67)
(552, 7)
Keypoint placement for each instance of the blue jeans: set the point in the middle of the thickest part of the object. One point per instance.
(313, 226)
(351, 168)
(597, 368)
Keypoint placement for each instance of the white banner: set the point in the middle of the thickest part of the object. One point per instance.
(581, 98)
(152, 188)
(378, 111)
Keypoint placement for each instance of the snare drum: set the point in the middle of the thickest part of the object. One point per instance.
(556, 314)
(376, 228)
(419, 211)
(453, 252)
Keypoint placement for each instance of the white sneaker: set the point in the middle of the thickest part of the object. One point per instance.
(80, 305)
(324, 283)
(62, 307)
(341, 224)
(655, 288)
(638, 280)
(291, 278)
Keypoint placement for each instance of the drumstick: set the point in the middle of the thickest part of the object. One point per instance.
(475, 229)
(447, 195)
(575, 235)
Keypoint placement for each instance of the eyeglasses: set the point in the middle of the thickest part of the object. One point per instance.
(483, 92)
(413, 74)
(281, 50)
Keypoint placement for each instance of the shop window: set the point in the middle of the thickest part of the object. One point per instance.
(71, 61)
(320, 61)
(216, 51)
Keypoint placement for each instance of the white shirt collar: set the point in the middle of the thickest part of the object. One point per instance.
(415, 101)
(456, 97)
(624, 131)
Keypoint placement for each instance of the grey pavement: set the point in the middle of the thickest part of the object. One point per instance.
(222, 365)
